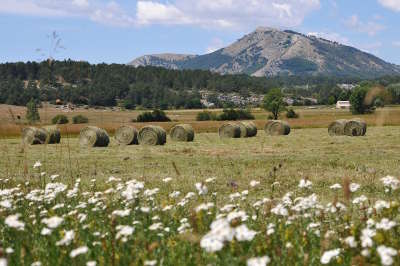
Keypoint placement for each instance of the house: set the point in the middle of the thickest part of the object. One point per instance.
(343, 105)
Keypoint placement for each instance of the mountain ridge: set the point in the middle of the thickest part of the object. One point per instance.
(271, 52)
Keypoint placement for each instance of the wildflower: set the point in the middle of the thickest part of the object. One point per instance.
(289, 245)
(242, 233)
(354, 187)
(366, 237)
(155, 226)
(167, 179)
(336, 186)
(201, 188)
(9, 250)
(112, 179)
(121, 213)
(381, 204)
(280, 210)
(67, 239)
(260, 261)
(360, 199)
(6, 204)
(124, 230)
(53, 222)
(254, 183)
(91, 263)
(385, 224)
(305, 183)
(150, 262)
(365, 252)
(351, 241)
(13, 222)
(211, 244)
(210, 180)
(78, 251)
(37, 165)
(145, 209)
(391, 182)
(236, 215)
(174, 194)
(386, 254)
(3, 262)
(204, 206)
(45, 231)
(329, 255)
(36, 263)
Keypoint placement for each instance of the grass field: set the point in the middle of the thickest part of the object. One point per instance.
(228, 202)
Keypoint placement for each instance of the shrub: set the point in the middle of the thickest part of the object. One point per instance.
(155, 116)
(291, 114)
(80, 119)
(203, 116)
(232, 115)
(59, 119)
(358, 103)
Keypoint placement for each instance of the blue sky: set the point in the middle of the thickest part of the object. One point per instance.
(121, 30)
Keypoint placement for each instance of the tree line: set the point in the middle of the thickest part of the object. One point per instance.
(82, 83)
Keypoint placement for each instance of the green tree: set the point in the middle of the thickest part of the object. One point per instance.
(32, 113)
(357, 100)
(274, 103)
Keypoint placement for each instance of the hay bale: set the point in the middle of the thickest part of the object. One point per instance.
(53, 135)
(336, 128)
(277, 128)
(247, 129)
(34, 136)
(355, 127)
(182, 132)
(152, 135)
(93, 137)
(126, 135)
(229, 130)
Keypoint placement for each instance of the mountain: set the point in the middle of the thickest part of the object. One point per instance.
(272, 52)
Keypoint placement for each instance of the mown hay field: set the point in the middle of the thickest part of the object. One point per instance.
(303, 199)
(112, 120)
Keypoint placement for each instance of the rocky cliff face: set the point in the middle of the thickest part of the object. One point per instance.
(270, 52)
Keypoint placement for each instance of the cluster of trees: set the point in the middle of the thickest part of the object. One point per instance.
(155, 116)
(227, 115)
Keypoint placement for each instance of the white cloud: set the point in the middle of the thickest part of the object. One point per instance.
(331, 36)
(370, 27)
(226, 13)
(238, 15)
(396, 43)
(391, 4)
(107, 13)
(215, 45)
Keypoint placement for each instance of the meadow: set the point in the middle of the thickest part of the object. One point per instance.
(303, 199)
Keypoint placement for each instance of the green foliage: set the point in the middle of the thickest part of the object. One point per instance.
(291, 113)
(357, 101)
(80, 119)
(206, 116)
(274, 103)
(59, 119)
(155, 116)
(32, 112)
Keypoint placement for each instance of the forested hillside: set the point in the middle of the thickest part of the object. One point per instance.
(144, 87)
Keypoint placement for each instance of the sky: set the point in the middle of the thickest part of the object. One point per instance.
(118, 31)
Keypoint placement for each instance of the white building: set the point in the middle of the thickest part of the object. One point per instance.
(343, 105)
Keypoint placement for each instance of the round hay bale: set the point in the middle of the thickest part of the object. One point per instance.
(34, 136)
(152, 135)
(229, 130)
(53, 135)
(355, 127)
(336, 128)
(93, 137)
(126, 135)
(182, 132)
(247, 129)
(277, 128)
